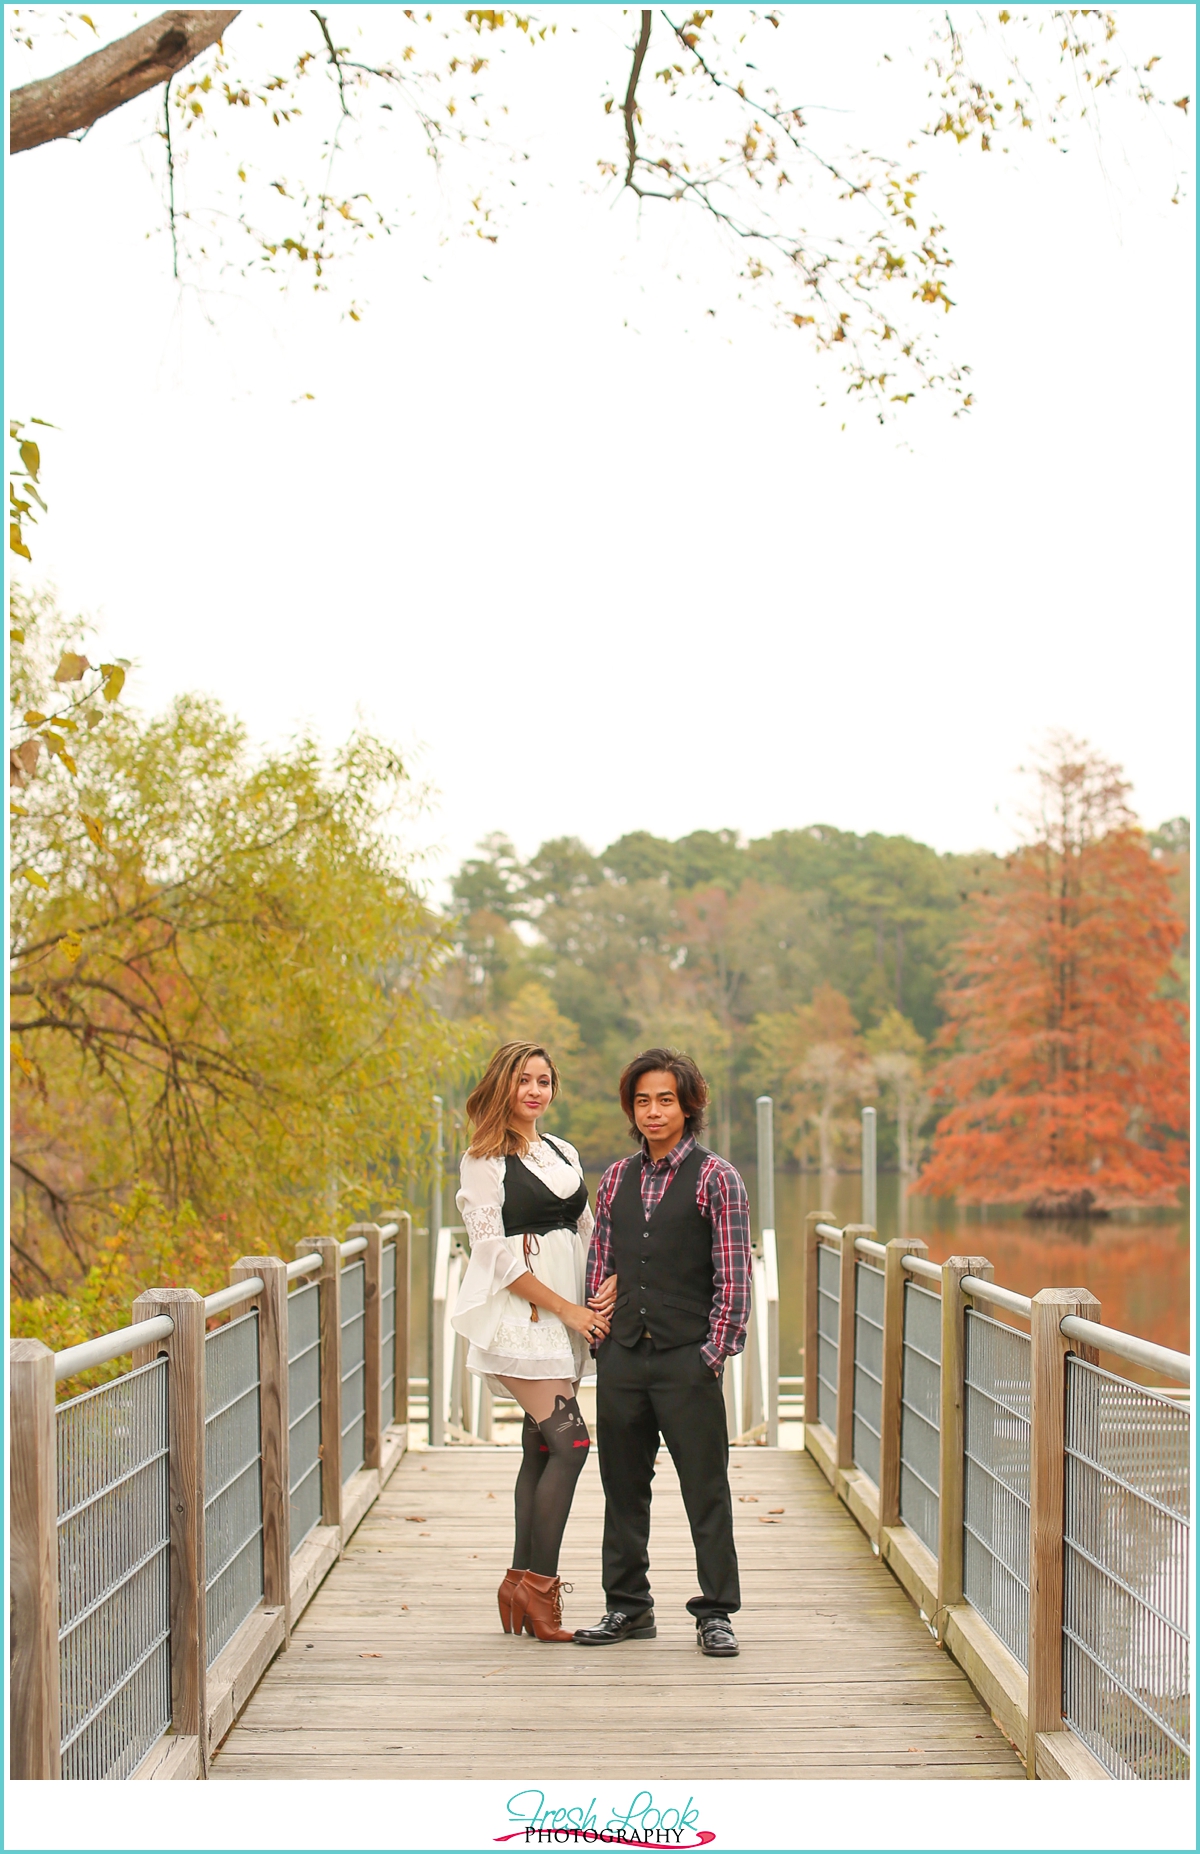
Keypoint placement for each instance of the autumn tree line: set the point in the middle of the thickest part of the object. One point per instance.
(232, 1005)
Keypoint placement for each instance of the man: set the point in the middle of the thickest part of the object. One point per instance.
(673, 1223)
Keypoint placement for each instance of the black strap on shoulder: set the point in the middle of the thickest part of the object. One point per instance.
(558, 1149)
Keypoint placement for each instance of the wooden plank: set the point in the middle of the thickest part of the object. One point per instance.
(400, 1668)
(240, 1666)
(892, 1374)
(330, 1351)
(1047, 1493)
(184, 1351)
(33, 1564)
(1062, 1757)
(171, 1760)
(950, 1440)
(273, 1423)
(310, 1563)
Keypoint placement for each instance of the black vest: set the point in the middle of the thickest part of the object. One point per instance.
(531, 1208)
(664, 1267)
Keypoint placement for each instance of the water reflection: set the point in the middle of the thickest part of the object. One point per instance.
(1136, 1263)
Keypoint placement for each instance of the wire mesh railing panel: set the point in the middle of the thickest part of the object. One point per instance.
(232, 1480)
(114, 1583)
(996, 1413)
(354, 1373)
(868, 1367)
(1126, 1621)
(920, 1413)
(387, 1328)
(304, 1412)
(829, 1265)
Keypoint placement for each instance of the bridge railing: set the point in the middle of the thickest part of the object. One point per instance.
(463, 1408)
(1034, 1506)
(168, 1526)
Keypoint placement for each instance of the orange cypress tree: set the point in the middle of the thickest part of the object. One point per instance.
(1069, 1066)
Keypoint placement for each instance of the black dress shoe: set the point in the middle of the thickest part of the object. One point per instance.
(714, 1635)
(618, 1627)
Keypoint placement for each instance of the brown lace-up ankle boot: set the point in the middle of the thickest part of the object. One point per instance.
(537, 1606)
(505, 1595)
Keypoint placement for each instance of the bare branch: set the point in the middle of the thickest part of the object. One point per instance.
(629, 108)
(74, 99)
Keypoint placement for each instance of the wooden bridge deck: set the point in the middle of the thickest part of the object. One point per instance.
(399, 1667)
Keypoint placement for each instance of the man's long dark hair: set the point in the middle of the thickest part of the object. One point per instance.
(690, 1085)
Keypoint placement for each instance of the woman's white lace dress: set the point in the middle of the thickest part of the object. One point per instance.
(504, 1341)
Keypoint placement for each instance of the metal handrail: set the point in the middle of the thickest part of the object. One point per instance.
(355, 1246)
(828, 1229)
(917, 1265)
(865, 1246)
(76, 1358)
(998, 1296)
(303, 1265)
(232, 1296)
(1126, 1345)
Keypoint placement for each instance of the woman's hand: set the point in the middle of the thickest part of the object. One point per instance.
(592, 1324)
(602, 1300)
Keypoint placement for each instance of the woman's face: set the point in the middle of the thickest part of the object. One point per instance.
(533, 1091)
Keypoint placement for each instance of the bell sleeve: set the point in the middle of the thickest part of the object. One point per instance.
(492, 1266)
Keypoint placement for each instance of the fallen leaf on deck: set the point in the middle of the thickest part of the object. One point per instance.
(370, 1654)
(764, 1521)
(778, 1509)
(746, 1499)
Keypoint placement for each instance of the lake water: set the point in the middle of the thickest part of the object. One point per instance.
(1137, 1264)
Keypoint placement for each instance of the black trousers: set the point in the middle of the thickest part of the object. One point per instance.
(641, 1394)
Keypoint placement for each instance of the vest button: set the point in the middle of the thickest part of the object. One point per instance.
(641, 1310)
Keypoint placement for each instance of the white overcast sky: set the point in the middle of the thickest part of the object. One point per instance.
(598, 559)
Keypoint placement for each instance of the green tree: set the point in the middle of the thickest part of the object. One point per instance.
(220, 994)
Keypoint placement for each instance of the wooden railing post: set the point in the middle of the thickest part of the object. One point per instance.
(273, 1424)
(950, 1449)
(184, 1351)
(847, 1287)
(330, 1357)
(372, 1341)
(34, 1718)
(892, 1375)
(812, 1242)
(403, 1297)
(1047, 1496)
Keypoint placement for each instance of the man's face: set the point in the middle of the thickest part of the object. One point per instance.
(656, 1110)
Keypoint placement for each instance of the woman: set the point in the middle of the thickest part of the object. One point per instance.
(525, 1206)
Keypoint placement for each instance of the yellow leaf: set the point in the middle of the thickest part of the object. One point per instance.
(71, 667)
(39, 881)
(31, 457)
(114, 680)
(16, 636)
(95, 829)
(67, 761)
(33, 718)
(20, 1058)
(71, 945)
(16, 543)
(17, 811)
(1182, 103)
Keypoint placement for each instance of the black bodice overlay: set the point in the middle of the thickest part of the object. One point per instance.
(531, 1208)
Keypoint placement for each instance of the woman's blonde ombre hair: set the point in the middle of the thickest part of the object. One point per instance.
(489, 1105)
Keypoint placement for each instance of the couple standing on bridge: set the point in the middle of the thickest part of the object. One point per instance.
(656, 1287)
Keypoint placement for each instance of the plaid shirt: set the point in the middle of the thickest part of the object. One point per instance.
(721, 1200)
